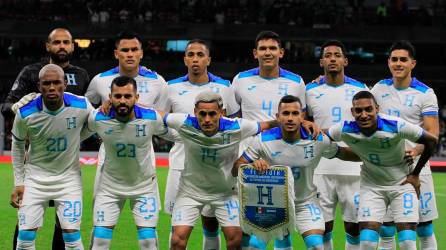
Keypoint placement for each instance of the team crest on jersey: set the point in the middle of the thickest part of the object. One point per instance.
(143, 86)
(71, 122)
(140, 130)
(267, 210)
(71, 79)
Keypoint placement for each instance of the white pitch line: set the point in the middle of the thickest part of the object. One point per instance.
(440, 195)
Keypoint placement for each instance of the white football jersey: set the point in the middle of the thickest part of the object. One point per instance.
(54, 139)
(128, 165)
(382, 152)
(180, 97)
(328, 105)
(411, 104)
(209, 159)
(150, 86)
(302, 157)
(259, 97)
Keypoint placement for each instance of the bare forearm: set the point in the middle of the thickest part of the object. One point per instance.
(18, 160)
(346, 154)
(269, 125)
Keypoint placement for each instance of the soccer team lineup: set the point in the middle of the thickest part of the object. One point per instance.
(257, 159)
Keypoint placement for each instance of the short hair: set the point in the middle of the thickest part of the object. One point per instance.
(405, 45)
(364, 95)
(336, 43)
(200, 41)
(51, 67)
(267, 34)
(122, 81)
(290, 99)
(209, 97)
(126, 34)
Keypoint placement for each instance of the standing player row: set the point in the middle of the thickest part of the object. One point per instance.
(257, 93)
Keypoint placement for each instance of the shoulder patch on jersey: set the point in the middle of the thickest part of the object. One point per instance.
(248, 73)
(354, 82)
(290, 75)
(74, 101)
(350, 127)
(312, 85)
(192, 121)
(103, 117)
(110, 72)
(387, 125)
(219, 80)
(178, 80)
(386, 81)
(271, 134)
(144, 113)
(415, 84)
(228, 124)
(143, 71)
(32, 107)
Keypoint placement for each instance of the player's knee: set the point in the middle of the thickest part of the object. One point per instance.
(387, 231)
(234, 242)
(178, 241)
(425, 230)
(314, 241)
(26, 239)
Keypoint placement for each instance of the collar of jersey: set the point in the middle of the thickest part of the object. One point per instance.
(211, 77)
(277, 133)
(39, 104)
(281, 74)
(323, 80)
(224, 124)
(136, 110)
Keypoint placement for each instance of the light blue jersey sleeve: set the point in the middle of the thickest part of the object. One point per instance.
(174, 120)
(248, 128)
(335, 131)
(329, 148)
(254, 149)
(409, 131)
(19, 133)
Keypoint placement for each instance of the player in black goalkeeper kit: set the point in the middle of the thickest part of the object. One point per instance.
(60, 48)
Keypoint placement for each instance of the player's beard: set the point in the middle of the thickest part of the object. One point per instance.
(123, 116)
(60, 58)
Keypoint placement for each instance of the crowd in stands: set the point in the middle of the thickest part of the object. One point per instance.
(306, 13)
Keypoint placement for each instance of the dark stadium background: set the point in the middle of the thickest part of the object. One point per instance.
(367, 27)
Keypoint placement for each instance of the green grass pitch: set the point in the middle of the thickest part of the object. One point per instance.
(125, 236)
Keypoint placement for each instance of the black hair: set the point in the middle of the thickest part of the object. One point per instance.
(290, 99)
(364, 95)
(200, 41)
(126, 34)
(267, 34)
(336, 43)
(122, 81)
(405, 45)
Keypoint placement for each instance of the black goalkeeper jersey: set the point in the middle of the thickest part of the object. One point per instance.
(27, 81)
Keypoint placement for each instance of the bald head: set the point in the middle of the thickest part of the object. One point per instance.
(60, 46)
(59, 31)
